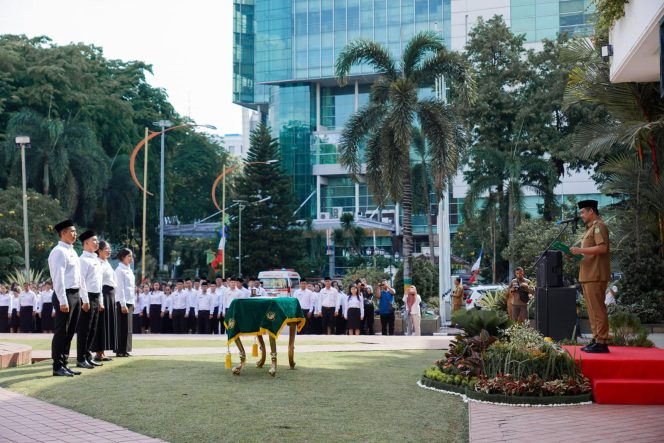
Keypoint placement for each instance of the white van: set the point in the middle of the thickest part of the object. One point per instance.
(279, 282)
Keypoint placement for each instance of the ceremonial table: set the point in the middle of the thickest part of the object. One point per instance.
(259, 315)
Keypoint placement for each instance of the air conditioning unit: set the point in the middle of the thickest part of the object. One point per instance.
(324, 216)
(337, 211)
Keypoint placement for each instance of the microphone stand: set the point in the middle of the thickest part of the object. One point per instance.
(556, 239)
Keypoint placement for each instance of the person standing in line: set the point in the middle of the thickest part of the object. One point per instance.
(27, 301)
(329, 304)
(317, 315)
(457, 297)
(179, 309)
(15, 307)
(139, 320)
(106, 337)
(37, 289)
(91, 273)
(192, 296)
(154, 301)
(353, 310)
(214, 320)
(385, 296)
(69, 289)
(340, 321)
(222, 291)
(366, 291)
(305, 298)
(412, 301)
(5, 308)
(125, 300)
(167, 310)
(595, 273)
(46, 311)
(204, 309)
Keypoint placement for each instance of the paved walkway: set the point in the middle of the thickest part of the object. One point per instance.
(25, 419)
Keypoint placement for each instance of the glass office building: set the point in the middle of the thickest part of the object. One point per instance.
(284, 56)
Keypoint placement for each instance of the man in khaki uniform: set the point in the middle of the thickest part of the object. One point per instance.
(519, 306)
(594, 273)
(457, 296)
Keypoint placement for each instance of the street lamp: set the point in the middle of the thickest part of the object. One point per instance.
(222, 178)
(163, 124)
(241, 205)
(22, 142)
(149, 135)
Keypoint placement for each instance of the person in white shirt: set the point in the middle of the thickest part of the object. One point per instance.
(141, 321)
(125, 297)
(91, 273)
(214, 321)
(27, 302)
(316, 318)
(354, 310)
(166, 309)
(179, 312)
(413, 315)
(222, 291)
(305, 297)
(45, 310)
(14, 307)
(340, 321)
(329, 305)
(154, 300)
(106, 337)
(5, 308)
(204, 308)
(70, 294)
(192, 294)
(234, 293)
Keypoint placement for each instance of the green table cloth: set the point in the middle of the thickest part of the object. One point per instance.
(255, 316)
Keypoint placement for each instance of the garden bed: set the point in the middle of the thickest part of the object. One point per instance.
(472, 395)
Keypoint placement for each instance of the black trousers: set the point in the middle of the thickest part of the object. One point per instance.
(87, 328)
(179, 322)
(387, 324)
(65, 327)
(203, 322)
(4, 318)
(106, 336)
(368, 324)
(340, 323)
(214, 322)
(191, 324)
(27, 319)
(125, 330)
(328, 319)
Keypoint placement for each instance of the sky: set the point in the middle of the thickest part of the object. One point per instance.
(189, 45)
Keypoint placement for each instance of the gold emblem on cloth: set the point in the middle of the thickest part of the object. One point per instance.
(270, 315)
(231, 323)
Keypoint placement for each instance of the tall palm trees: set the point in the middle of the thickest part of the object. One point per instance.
(394, 107)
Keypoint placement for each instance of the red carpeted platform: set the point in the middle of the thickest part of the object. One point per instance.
(628, 376)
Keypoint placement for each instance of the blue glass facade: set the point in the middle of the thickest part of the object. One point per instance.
(540, 19)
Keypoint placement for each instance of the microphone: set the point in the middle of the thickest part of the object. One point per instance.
(574, 220)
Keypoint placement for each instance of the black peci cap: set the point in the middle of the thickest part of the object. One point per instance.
(86, 235)
(590, 204)
(63, 225)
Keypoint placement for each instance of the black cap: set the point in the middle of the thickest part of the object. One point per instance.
(327, 278)
(180, 280)
(86, 235)
(590, 204)
(63, 225)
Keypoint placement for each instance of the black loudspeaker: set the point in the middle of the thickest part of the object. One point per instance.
(555, 312)
(550, 270)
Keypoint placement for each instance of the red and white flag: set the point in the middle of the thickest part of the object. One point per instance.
(475, 270)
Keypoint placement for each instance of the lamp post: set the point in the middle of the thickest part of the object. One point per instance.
(22, 142)
(149, 135)
(241, 205)
(163, 124)
(222, 177)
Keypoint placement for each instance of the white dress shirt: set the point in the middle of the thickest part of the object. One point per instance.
(179, 299)
(139, 302)
(304, 296)
(6, 300)
(167, 303)
(192, 296)
(107, 274)
(232, 295)
(204, 302)
(154, 298)
(45, 297)
(27, 299)
(65, 270)
(354, 301)
(329, 298)
(315, 302)
(125, 292)
(91, 272)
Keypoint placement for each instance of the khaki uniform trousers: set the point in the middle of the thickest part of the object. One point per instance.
(593, 293)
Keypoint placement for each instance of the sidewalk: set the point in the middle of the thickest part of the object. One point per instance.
(25, 419)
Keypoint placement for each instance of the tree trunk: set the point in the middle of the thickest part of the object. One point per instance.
(407, 203)
(427, 211)
(511, 219)
(493, 240)
(47, 179)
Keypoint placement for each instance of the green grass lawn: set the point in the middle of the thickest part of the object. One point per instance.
(43, 344)
(330, 396)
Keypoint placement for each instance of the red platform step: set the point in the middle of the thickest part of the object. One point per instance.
(626, 375)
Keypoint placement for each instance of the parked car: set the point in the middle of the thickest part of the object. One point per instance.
(476, 293)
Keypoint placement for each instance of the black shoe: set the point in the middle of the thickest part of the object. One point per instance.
(120, 355)
(104, 358)
(127, 354)
(84, 364)
(62, 372)
(588, 346)
(597, 348)
(94, 363)
(71, 371)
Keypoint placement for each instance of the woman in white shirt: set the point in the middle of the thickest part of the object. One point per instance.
(15, 307)
(413, 315)
(5, 308)
(153, 304)
(125, 300)
(46, 311)
(353, 309)
(106, 336)
(167, 310)
(27, 302)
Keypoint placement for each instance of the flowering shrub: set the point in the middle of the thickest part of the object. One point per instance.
(532, 385)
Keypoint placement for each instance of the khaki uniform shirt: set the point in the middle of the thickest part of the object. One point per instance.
(457, 297)
(516, 300)
(595, 267)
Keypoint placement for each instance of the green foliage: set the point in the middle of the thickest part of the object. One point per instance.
(11, 256)
(270, 238)
(473, 321)
(626, 330)
(43, 213)
(19, 277)
(425, 278)
(607, 12)
(373, 276)
(494, 301)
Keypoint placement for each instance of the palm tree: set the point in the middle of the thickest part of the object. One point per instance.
(394, 107)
